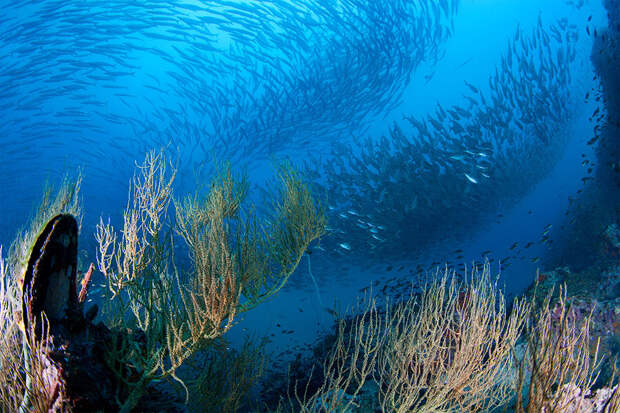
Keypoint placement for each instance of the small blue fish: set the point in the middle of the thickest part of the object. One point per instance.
(470, 179)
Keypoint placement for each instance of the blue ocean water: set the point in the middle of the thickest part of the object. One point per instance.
(489, 98)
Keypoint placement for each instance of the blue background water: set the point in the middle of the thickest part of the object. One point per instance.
(93, 87)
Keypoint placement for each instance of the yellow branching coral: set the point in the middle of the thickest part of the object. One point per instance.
(181, 313)
(559, 357)
(149, 197)
(351, 362)
(447, 349)
(451, 348)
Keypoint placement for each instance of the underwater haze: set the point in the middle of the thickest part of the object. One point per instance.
(436, 133)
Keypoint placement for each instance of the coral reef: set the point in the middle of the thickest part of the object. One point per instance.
(562, 361)
(448, 348)
(155, 319)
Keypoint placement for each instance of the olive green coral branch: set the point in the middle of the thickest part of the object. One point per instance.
(297, 222)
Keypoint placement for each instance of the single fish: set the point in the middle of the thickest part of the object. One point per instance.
(470, 179)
